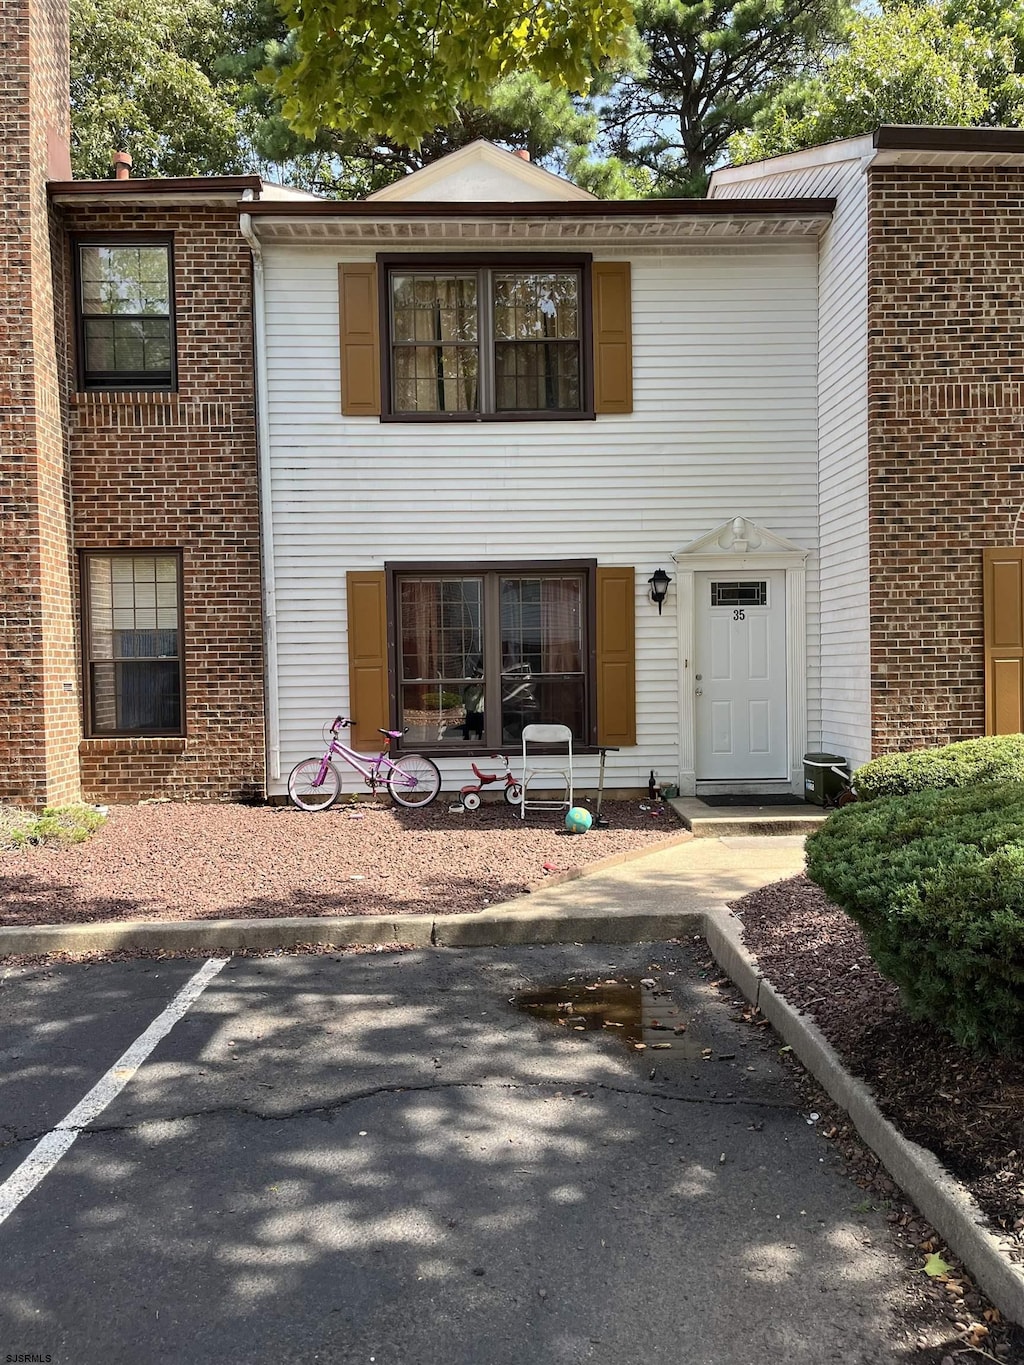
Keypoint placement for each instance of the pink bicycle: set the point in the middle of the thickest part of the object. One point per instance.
(315, 784)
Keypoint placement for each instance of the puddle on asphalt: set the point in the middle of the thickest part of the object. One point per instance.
(630, 1008)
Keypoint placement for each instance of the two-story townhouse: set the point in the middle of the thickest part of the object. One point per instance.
(493, 408)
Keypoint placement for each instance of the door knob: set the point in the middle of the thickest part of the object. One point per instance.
(699, 691)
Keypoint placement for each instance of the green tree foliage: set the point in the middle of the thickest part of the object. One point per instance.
(142, 81)
(178, 85)
(925, 63)
(708, 67)
(398, 69)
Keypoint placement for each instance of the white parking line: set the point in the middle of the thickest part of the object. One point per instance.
(49, 1149)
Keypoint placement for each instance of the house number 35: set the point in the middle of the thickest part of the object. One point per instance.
(739, 614)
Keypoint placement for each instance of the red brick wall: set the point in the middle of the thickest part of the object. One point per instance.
(38, 667)
(179, 471)
(946, 436)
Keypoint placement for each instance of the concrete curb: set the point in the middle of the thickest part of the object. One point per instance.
(939, 1196)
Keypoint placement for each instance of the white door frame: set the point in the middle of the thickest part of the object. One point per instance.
(740, 546)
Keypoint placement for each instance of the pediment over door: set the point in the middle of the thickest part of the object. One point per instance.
(736, 538)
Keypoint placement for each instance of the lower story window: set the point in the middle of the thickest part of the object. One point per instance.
(133, 643)
(481, 655)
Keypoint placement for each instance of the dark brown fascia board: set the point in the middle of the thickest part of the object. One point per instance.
(914, 138)
(184, 184)
(574, 208)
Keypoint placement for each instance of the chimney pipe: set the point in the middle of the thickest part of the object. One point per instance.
(122, 164)
(521, 153)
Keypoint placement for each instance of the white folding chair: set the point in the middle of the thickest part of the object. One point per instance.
(547, 766)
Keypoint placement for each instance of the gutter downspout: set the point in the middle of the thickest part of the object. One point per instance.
(273, 707)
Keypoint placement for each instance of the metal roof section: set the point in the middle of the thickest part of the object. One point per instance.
(787, 163)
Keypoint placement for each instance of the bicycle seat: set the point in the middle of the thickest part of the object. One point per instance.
(392, 734)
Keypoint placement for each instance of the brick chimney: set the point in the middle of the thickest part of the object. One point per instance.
(521, 153)
(38, 669)
(122, 164)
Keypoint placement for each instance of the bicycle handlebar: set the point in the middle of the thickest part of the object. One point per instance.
(341, 723)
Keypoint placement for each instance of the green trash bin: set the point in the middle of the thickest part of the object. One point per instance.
(822, 784)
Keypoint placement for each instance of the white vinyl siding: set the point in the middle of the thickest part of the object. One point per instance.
(724, 425)
(845, 642)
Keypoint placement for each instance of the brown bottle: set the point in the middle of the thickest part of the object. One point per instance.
(652, 787)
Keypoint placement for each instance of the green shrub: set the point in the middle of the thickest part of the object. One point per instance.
(997, 758)
(57, 824)
(936, 881)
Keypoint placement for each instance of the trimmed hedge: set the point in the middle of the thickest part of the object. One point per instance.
(936, 881)
(997, 758)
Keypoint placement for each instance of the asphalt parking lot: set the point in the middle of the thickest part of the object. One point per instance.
(378, 1158)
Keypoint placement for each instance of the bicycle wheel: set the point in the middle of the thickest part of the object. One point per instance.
(513, 794)
(414, 781)
(302, 786)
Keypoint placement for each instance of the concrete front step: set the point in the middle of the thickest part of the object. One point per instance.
(718, 822)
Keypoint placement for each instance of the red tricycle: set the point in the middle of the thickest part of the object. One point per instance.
(471, 791)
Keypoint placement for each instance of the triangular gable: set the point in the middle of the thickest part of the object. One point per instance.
(480, 173)
(738, 536)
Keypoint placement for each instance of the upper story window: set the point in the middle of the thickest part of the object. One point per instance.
(125, 314)
(487, 341)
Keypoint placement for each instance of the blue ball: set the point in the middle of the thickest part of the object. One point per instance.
(578, 820)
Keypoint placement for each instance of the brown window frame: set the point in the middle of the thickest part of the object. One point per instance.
(84, 556)
(587, 568)
(389, 263)
(131, 381)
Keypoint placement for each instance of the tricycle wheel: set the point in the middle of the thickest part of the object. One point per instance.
(514, 794)
(471, 800)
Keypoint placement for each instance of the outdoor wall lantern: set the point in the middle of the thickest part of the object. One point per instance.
(659, 581)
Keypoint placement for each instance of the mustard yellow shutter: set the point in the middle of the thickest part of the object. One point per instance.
(360, 340)
(613, 336)
(616, 657)
(1004, 641)
(367, 657)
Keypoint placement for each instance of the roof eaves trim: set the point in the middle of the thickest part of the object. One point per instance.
(594, 208)
(217, 186)
(916, 138)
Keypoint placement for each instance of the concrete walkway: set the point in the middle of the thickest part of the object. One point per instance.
(688, 878)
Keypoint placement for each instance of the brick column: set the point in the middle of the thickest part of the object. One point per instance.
(39, 704)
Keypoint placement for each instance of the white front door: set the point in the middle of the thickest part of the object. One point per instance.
(740, 677)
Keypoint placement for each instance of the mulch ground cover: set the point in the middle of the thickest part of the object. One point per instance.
(967, 1108)
(197, 861)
